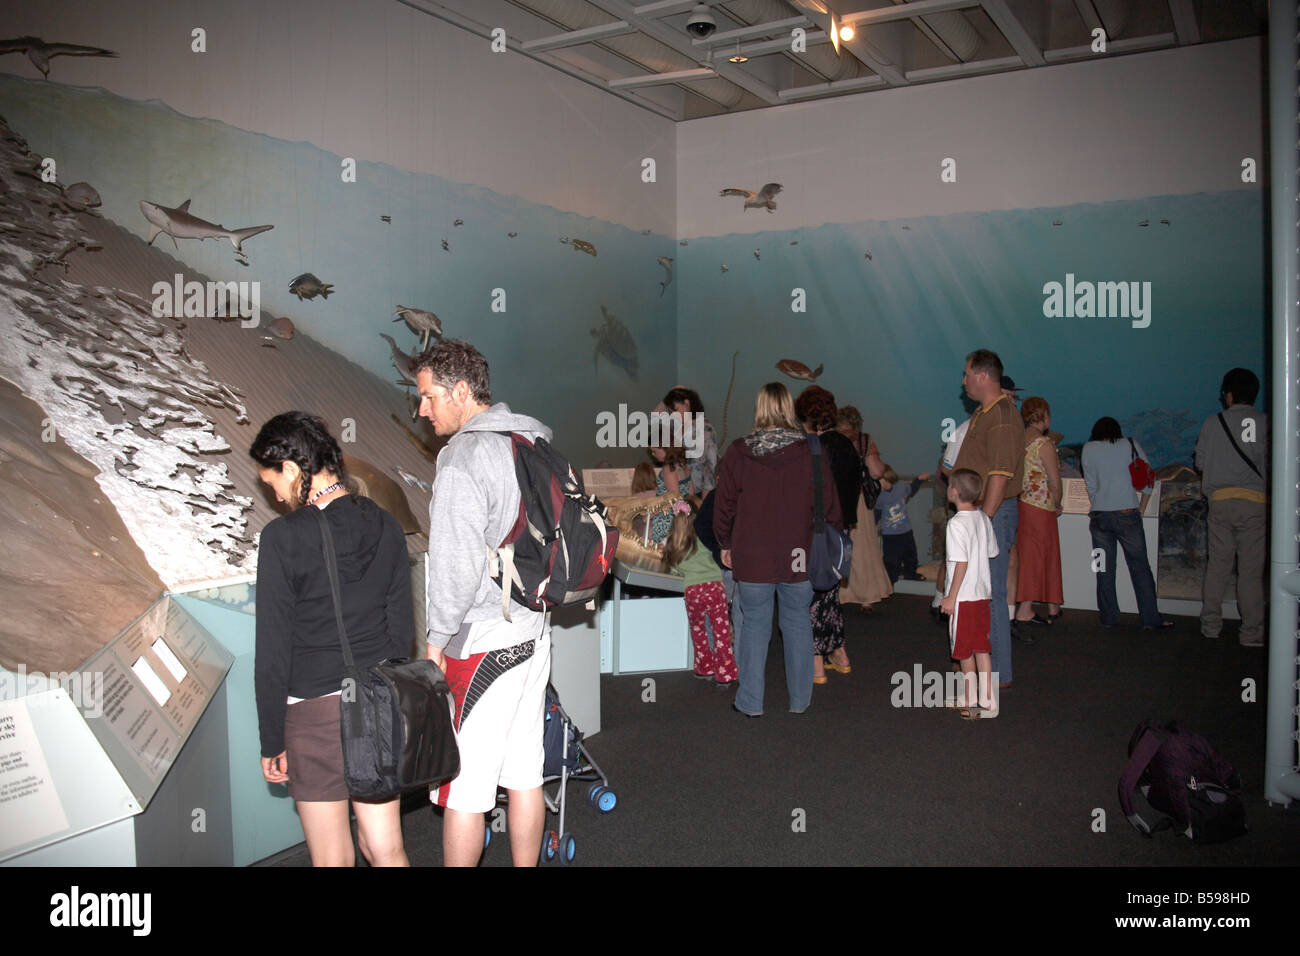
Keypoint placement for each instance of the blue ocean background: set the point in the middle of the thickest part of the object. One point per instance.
(891, 331)
(541, 350)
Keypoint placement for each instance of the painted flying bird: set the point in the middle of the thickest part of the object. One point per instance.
(40, 52)
(420, 322)
(763, 199)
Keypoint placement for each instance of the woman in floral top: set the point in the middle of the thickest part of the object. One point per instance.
(1037, 540)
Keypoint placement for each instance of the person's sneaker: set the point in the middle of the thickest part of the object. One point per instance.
(1251, 641)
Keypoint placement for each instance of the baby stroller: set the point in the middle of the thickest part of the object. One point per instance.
(567, 759)
(564, 759)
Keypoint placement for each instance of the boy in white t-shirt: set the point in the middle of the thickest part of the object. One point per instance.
(970, 543)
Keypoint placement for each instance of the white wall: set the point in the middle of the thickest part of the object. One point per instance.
(377, 81)
(1164, 123)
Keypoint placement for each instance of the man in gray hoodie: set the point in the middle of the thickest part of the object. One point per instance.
(497, 669)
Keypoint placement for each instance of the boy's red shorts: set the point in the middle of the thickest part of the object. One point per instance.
(968, 629)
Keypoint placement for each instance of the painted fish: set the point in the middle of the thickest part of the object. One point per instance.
(798, 370)
(1145, 222)
(281, 328)
(82, 195)
(581, 245)
(179, 224)
(615, 342)
(757, 255)
(867, 255)
(387, 219)
(401, 361)
(459, 222)
(724, 267)
(446, 246)
(307, 286)
(668, 267)
(683, 243)
(511, 235)
(1056, 222)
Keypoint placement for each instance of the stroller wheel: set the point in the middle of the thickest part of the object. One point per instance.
(607, 800)
(567, 848)
(593, 794)
(550, 845)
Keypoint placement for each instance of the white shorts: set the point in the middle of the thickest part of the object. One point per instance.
(500, 715)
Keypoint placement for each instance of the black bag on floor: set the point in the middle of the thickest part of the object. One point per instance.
(1182, 776)
(396, 718)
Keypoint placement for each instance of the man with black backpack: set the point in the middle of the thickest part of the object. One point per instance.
(1232, 457)
(496, 664)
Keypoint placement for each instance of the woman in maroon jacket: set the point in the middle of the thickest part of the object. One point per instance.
(763, 521)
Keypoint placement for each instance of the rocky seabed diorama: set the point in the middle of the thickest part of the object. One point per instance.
(117, 383)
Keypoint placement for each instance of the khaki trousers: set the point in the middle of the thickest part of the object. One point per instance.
(1237, 529)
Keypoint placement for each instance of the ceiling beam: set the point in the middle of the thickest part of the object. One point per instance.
(863, 49)
(1185, 21)
(439, 12)
(837, 86)
(904, 11)
(678, 41)
(1156, 41)
(1088, 13)
(1015, 33)
(757, 30)
(576, 37)
(668, 8)
(661, 79)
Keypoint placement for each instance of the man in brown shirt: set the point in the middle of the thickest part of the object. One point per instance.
(995, 449)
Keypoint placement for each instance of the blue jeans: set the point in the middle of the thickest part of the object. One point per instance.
(756, 634)
(737, 615)
(1106, 528)
(1005, 522)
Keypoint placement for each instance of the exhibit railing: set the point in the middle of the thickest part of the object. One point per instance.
(1281, 782)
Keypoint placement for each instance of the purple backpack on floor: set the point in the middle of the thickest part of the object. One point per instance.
(1182, 776)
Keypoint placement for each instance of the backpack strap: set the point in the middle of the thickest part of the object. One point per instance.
(819, 512)
(1145, 751)
(1233, 442)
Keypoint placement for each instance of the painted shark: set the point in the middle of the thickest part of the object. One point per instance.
(179, 224)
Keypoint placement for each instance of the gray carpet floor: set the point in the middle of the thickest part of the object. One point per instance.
(858, 781)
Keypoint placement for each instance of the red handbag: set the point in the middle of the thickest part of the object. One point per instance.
(1142, 474)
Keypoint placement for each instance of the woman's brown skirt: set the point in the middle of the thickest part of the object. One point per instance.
(1039, 546)
(314, 749)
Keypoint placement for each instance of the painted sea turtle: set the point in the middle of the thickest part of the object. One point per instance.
(615, 342)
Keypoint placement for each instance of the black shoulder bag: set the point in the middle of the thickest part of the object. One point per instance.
(397, 717)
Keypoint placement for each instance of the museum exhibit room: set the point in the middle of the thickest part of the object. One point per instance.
(593, 433)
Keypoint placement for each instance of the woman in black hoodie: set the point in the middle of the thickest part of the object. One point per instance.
(298, 670)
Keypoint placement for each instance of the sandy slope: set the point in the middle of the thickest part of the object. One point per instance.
(160, 411)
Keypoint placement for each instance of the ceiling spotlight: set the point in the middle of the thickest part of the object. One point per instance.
(738, 57)
(846, 34)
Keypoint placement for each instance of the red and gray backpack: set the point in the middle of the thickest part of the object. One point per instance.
(561, 546)
(1186, 779)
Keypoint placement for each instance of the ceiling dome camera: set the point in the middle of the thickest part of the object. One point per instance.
(701, 23)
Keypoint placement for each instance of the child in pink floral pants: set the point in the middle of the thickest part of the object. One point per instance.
(706, 599)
